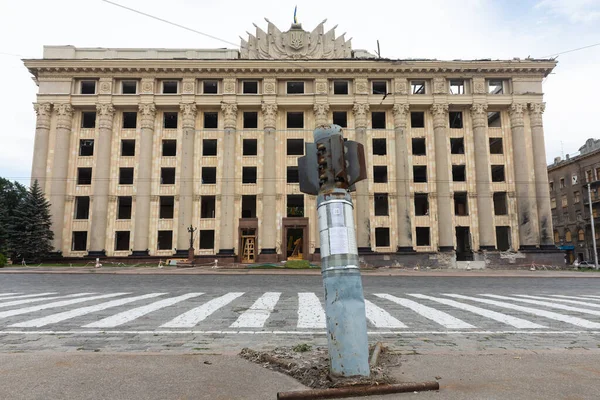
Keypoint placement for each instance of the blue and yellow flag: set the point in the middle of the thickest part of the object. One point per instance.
(295, 19)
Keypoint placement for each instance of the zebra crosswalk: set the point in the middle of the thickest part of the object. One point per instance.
(289, 312)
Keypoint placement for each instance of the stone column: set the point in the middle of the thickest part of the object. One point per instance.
(321, 114)
(227, 221)
(404, 230)
(60, 167)
(144, 180)
(363, 222)
(443, 176)
(101, 177)
(269, 223)
(541, 175)
(186, 177)
(526, 204)
(40, 147)
(485, 209)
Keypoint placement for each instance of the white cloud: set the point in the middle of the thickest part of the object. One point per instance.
(585, 11)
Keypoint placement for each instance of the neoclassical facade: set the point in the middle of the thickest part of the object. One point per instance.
(135, 146)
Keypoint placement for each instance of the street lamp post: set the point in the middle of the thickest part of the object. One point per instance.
(589, 186)
(191, 231)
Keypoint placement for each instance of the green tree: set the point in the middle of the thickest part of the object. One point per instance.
(29, 235)
(11, 195)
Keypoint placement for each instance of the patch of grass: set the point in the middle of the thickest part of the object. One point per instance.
(302, 348)
(200, 348)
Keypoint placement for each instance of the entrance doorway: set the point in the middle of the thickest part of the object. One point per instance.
(463, 244)
(294, 243)
(248, 245)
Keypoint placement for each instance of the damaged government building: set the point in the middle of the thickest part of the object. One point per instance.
(134, 146)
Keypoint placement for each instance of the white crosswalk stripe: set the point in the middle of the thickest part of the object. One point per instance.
(63, 316)
(440, 317)
(8, 294)
(259, 312)
(581, 303)
(26, 296)
(536, 311)
(19, 311)
(496, 316)
(381, 318)
(135, 313)
(194, 316)
(574, 297)
(545, 304)
(310, 311)
(592, 296)
(37, 300)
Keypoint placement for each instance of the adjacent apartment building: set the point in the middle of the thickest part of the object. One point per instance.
(135, 146)
(568, 180)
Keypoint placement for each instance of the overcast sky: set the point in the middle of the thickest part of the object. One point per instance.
(441, 29)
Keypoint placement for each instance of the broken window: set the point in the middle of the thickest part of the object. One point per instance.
(295, 87)
(292, 175)
(418, 147)
(248, 206)
(563, 200)
(207, 206)
(456, 119)
(79, 241)
(494, 120)
(340, 118)
(562, 183)
(210, 87)
(129, 87)
(576, 197)
(170, 87)
(500, 203)
(295, 120)
(378, 120)
(457, 86)
(170, 120)
(167, 176)
(82, 207)
(498, 173)
(125, 176)
(122, 239)
(209, 147)
(169, 148)
(124, 207)
(248, 174)
(457, 145)
(380, 87)
(418, 87)
(551, 185)
(86, 147)
(128, 147)
(580, 235)
(249, 147)
(459, 173)
(84, 176)
(250, 119)
(380, 174)
(164, 240)
(88, 119)
(340, 87)
(495, 86)
(379, 147)
(503, 238)
(207, 239)
(211, 120)
(129, 120)
(88, 87)
(382, 237)
(496, 146)
(166, 207)
(381, 204)
(295, 147)
(421, 204)
(461, 203)
(209, 175)
(295, 205)
(419, 173)
(553, 202)
(250, 87)
(422, 236)
(417, 119)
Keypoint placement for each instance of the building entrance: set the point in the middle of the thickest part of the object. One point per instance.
(248, 245)
(463, 244)
(295, 238)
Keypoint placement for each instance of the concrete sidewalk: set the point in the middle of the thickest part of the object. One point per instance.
(516, 376)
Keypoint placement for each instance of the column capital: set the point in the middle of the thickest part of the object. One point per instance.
(230, 115)
(64, 111)
(516, 114)
(269, 111)
(43, 112)
(479, 115)
(535, 113)
(440, 115)
(400, 112)
(360, 111)
(189, 112)
(148, 112)
(106, 112)
(321, 110)
(439, 85)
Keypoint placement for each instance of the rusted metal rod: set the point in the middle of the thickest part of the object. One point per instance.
(358, 391)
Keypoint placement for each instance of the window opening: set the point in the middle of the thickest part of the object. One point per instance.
(382, 237)
(295, 205)
(295, 147)
(88, 87)
(418, 87)
(295, 120)
(249, 147)
(209, 175)
(207, 206)
(129, 87)
(250, 120)
(458, 173)
(169, 148)
(125, 176)
(457, 87)
(124, 207)
(419, 173)
(461, 207)
(457, 145)
(166, 207)
(122, 239)
(456, 119)
(88, 119)
(340, 87)
(170, 120)
(500, 203)
(248, 174)
(170, 87)
(167, 176)
(164, 240)
(421, 204)
(422, 236)
(498, 173)
(295, 87)
(129, 120)
(79, 241)
(86, 147)
(209, 147)
(340, 118)
(379, 147)
(84, 176)
(381, 204)
(210, 87)
(496, 146)
(207, 239)
(248, 206)
(419, 147)
(211, 120)
(82, 207)
(378, 120)
(250, 87)
(417, 119)
(380, 174)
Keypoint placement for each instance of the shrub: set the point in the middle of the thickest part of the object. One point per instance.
(2, 260)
